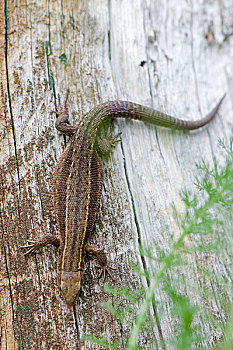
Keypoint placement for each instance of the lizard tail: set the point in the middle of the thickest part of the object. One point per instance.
(130, 110)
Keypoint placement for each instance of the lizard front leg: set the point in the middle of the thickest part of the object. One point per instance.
(33, 246)
(101, 258)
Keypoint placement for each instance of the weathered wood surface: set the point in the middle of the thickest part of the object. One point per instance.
(174, 57)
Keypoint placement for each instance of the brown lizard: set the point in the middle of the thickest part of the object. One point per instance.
(78, 180)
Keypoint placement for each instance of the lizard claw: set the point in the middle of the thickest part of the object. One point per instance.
(116, 139)
(32, 250)
(103, 271)
(29, 244)
(28, 251)
(32, 245)
(59, 108)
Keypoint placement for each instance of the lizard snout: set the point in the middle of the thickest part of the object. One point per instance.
(71, 283)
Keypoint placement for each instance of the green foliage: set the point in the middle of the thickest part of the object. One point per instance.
(207, 222)
(184, 311)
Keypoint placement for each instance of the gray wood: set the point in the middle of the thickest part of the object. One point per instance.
(174, 57)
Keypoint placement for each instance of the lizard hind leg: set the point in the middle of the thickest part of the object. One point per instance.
(105, 145)
(61, 122)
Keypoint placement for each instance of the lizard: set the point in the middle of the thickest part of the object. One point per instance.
(78, 181)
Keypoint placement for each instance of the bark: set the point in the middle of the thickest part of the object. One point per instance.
(176, 58)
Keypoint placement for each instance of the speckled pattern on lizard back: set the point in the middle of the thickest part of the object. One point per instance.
(78, 181)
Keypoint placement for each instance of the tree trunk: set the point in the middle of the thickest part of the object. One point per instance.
(175, 58)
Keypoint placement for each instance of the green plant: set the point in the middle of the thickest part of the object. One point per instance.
(208, 222)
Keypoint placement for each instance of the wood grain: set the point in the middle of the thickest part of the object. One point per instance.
(154, 53)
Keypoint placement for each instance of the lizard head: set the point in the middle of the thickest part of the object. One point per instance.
(71, 283)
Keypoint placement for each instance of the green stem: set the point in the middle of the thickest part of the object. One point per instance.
(140, 320)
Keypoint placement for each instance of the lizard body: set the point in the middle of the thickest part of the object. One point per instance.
(78, 181)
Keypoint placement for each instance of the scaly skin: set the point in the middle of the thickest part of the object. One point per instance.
(78, 181)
